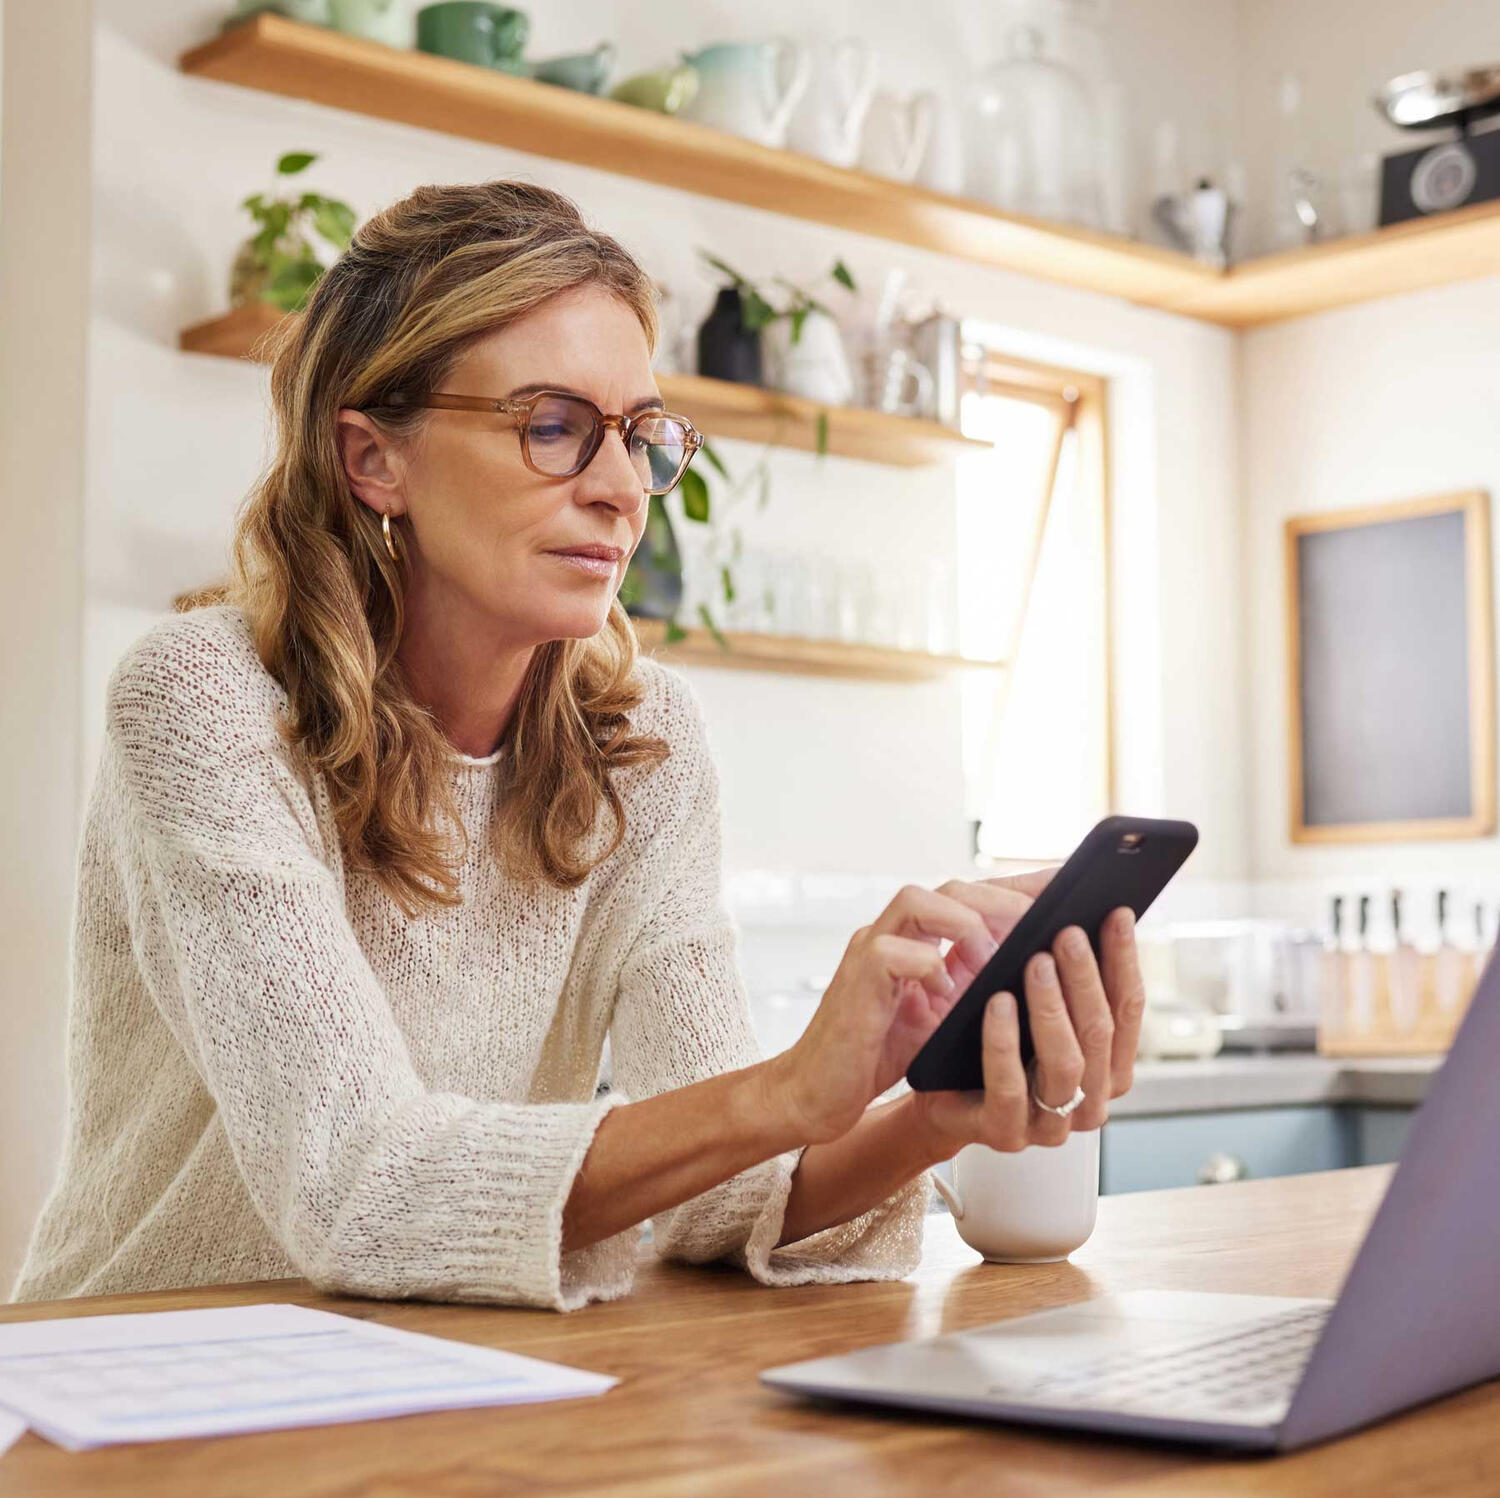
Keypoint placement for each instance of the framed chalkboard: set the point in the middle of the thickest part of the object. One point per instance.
(1391, 671)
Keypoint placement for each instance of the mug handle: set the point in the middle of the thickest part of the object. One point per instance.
(920, 378)
(949, 1195)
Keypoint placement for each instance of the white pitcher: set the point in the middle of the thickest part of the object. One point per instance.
(749, 88)
(941, 165)
(895, 134)
(828, 121)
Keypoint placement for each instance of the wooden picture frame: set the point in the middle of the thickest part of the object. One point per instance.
(1472, 624)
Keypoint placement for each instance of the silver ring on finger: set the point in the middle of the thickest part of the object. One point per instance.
(1071, 1106)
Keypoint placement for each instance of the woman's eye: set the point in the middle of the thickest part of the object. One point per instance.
(548, 431)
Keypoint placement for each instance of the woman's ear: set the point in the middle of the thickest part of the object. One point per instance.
(374, 467)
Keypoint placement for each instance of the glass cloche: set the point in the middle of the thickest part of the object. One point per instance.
(1036, 140)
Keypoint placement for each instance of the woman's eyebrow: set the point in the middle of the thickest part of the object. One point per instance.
(645, 403)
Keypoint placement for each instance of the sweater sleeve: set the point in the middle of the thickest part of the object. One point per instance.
(371, 1183)
(682, 1014)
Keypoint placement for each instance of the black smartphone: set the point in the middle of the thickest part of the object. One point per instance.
(1122, 861)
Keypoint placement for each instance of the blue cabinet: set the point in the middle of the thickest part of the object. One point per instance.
(1150, 1152)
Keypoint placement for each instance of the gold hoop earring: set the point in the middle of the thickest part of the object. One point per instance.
(385, 530)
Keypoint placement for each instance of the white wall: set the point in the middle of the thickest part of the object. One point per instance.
(1393, 400)
(44, 245)
(1385, 401)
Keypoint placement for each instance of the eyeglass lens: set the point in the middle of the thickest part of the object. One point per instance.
(561, 432)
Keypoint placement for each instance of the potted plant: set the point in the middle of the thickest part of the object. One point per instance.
(797, 346)
(278, 263)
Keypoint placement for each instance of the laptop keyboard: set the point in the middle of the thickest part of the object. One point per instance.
(1236, 1368)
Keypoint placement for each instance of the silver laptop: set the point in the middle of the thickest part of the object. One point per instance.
(1417, 1317)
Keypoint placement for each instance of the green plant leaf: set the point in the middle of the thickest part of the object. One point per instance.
(658, 532)
(334, 221)
(710, 452)
(822, 434)
(276, 217)
(842, 276)
(290, 286)
(723, 268)
(254, 201)
(756, 312)
(295, 161)
(694, 490)
(708, 623)
(675, 633)
(727, 578)
(799, 316)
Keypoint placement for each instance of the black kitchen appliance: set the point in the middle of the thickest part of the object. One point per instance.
(1452, 173)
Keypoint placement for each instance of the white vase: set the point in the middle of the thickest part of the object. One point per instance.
(816, 366)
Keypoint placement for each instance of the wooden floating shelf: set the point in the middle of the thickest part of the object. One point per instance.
(240, 333)
(718, 408)
(786, 653)
(298, 61)
(324, 66)
(1436, 251)
(756, 652)
(724, 409)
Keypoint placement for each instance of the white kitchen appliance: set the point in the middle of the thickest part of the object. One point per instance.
(1259, 976)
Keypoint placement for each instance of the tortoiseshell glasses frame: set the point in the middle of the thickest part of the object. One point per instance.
(571, 448)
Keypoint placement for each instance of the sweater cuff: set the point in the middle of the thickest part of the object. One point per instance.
(884, 1243)
(536, 1271)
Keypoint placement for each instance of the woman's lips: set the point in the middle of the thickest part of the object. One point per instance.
(592, 561)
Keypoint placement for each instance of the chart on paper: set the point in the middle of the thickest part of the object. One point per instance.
(96, 1380)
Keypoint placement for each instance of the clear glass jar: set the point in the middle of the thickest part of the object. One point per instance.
(1037, 142)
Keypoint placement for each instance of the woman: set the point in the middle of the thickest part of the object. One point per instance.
(384, 846)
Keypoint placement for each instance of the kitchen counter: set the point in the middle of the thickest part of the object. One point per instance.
(1274, 1081)
(690, 1415)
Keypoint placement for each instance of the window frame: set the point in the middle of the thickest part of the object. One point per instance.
(1081, 403)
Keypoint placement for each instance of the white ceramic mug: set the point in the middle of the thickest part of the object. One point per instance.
(1031, 1206)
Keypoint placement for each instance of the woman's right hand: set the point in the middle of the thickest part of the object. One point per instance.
(890, 992)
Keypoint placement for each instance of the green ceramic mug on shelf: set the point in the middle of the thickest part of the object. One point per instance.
(491, 36)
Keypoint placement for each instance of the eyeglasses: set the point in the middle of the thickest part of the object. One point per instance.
(560, 433)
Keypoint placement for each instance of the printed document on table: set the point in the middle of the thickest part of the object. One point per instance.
(163, 1375)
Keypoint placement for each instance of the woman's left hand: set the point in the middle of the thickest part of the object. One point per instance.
(1085, 1015)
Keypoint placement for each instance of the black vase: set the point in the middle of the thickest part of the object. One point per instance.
(653, 582)
(726, 349)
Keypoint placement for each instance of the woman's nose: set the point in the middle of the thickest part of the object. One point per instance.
(611, 478)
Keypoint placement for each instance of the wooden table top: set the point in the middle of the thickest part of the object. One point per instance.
(690, 1416)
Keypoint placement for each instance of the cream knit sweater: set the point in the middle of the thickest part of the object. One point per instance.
(273, 1072)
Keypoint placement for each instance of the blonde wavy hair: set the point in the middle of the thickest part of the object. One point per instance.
(418, 284)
